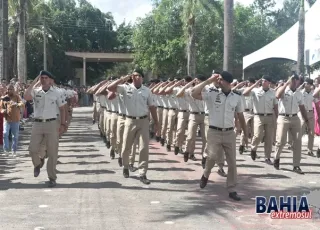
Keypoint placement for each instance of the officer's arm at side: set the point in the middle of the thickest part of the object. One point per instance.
(152, 108)
(239, 109)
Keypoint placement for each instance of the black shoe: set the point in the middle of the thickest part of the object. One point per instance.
(120, 161)
(311, 154)
(162, 142)
(176, 150)
(112, 154)
(318, 153)
(36, 171)
(241, 149)
(276, 164)
(158, 139)
(203, 181)
(108, 144)
(144, 180)
(93, 122)
(52, 183)
(192, 157)
(203, 162)
(168, 148)
(126, 173)
(268, 161)
(234, 196)
(298, 170)
(104, 139)
(132, 168)
(42, 162)
(186, 156)
(253, 154)
(151, 135)
(221, 172)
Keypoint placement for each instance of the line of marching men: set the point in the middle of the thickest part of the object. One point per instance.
(262, 110)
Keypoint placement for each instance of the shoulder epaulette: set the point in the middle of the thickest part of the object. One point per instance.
(237, 92)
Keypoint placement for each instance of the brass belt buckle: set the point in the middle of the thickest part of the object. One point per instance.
(43, 120)
(223, 130)
(290, 115)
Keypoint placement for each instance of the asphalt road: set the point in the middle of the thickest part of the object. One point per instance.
(92, 194)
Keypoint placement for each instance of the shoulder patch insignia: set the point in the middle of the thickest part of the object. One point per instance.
(213, 90)
(237, 92)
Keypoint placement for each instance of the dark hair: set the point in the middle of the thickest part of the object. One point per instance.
(188, 78)
(201, 77)
(178, 78)
(171, 79)
(252, 80)
(156, 81)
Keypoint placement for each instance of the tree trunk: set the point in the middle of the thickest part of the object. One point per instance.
(191, 51)
(301, 39)
(228, 36)
(21, 47)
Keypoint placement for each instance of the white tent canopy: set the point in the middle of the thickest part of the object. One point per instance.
(286, 46)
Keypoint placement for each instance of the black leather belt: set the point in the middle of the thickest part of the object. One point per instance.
(137, 118)
(121, 114)
(196, 113)
(309, 110)
(44, 120)
(165, 108)
(248, 110)
(161, 107)
(264, 114)
(288, 115)
(103, 107)
(113, 111)
(183, 111)
(207, 115)
(109, 111)
(173, 109)
(221, 129)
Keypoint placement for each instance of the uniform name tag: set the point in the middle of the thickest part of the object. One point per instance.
(38, 95)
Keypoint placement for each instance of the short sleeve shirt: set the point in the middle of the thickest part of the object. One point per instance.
(290, 101)
(263, 101)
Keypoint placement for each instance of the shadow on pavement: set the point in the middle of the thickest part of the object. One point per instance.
(173, 169)
(86, 172)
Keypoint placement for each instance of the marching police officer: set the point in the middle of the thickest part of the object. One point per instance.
(45, 125)
(221, 126)
(290, 101)
(138, 101)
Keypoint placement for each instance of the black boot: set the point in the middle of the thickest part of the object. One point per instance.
(253, 154)
(241, 149)
(176, 150)
(162, 142)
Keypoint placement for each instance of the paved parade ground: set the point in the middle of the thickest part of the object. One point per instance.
(91, 192)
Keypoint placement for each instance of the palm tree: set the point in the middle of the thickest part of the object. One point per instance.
(301, 39)
(228, 36)
(190, 9)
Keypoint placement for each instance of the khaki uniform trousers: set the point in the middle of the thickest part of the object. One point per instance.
(293, 126)
(220, 156)
(164, 123)
(263, 127)
(137, 144)
(101, 121)
(222, 141)
(45, 131)
(133, 129)
(195, 120)
(95, 111)
(274, 127)
(159, 114)
(107, 124)
(113, 130)
(309, 127)
(172, 126)
(248, 117)
(182, 124)
(120, 130)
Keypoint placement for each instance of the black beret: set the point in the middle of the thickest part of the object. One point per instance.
(309, 81)
(267, 78)
(44, 72)
(295, 76)
(139, 71)
(252, 80)
(227, 76)
(201, 77)
(216, 72)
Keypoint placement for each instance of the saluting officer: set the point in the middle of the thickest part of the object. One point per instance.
(138, 101)
(45, 125)
(265, 105)
(221, 134)
(290, 101)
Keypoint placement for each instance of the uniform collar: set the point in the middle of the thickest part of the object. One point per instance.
(50, 89)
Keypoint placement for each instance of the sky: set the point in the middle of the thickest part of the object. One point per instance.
(130, 10)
